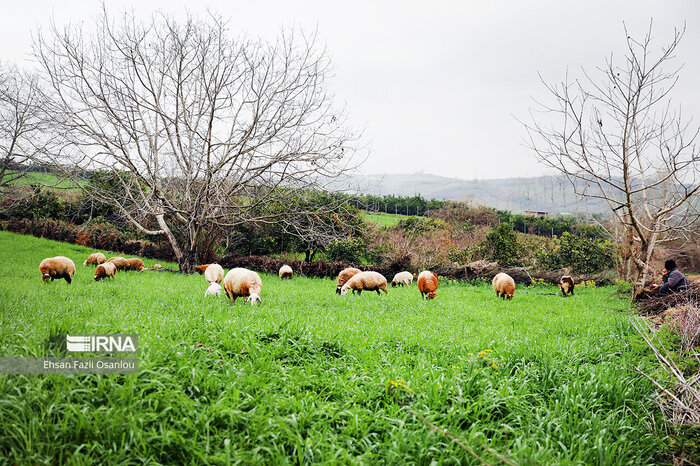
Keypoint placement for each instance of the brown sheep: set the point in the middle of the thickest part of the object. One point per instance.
(96, 258)
(369, 281)
(108, 269)
(201, 268)
(427, 284)
(344, 276)
(57, 267)
(567, 285)
(119, 262)
(503, 285)
(134, 264)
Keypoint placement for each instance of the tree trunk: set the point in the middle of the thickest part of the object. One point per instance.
(188, 262)
(185, 259)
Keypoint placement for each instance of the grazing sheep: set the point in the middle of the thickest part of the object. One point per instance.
(344, 276)
(243, 282)
(503, 285)
(96, 258)
(214, 273)
(402, 278)
(201, 268)
(213, 290)
(108, 269)
(134, 264)
(567, 285)
(286, 272)
(369, 281)
(427, 284)
(57, 267)
(119, 262)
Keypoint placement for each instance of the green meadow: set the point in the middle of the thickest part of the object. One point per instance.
(310, 376)
(383, 219)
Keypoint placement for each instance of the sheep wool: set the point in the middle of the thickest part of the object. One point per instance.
(402, 278)
(108, 269)
(57, 267)
(134, 264)
(119, 262)
(503, 285)
(96, 258)
(213, 290)
(158, 267)
(201, 268)
(369, 281)
(567, 285)
(286, 272)
(243, 282)
(214, 273)
(428, 284)
(344, 276)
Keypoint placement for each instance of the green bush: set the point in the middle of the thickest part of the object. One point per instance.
(624, 286)
(582, 254)
(350, 250)
(40, 204)
(461, 255)
(502, 246)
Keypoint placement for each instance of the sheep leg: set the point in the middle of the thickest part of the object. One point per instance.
(359, 292)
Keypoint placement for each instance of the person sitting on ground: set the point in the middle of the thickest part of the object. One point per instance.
(674, 280)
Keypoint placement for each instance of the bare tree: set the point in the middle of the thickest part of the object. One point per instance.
(197, 129)
(616, 137)
(20, 123)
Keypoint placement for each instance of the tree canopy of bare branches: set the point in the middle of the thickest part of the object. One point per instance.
(196, 128)
(20, 122)
(616, 136)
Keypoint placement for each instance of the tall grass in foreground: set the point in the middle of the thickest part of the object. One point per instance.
(311, 376)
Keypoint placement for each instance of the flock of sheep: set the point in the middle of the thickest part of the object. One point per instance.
(240, 282)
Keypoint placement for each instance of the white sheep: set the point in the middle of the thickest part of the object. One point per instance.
(243, 282)
(214, 273)
(286, 272)
(369, 281)
(402, 278)
(213, 290)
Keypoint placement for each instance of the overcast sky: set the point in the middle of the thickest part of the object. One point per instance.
(437, 85)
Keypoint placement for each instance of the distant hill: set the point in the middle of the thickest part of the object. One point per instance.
(544, 193)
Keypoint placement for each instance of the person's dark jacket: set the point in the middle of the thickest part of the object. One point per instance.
(674, 282)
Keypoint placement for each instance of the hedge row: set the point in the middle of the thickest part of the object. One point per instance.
(108, 237)
(97, 236)
(318, 268)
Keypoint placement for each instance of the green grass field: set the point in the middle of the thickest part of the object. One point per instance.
(46, 179)
(383, 219)
(310, 376)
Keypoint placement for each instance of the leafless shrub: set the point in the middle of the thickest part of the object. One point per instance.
(678, 396)
(652, 304)
(686, 321)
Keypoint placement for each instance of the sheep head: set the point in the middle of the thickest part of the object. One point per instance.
(253, 298)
